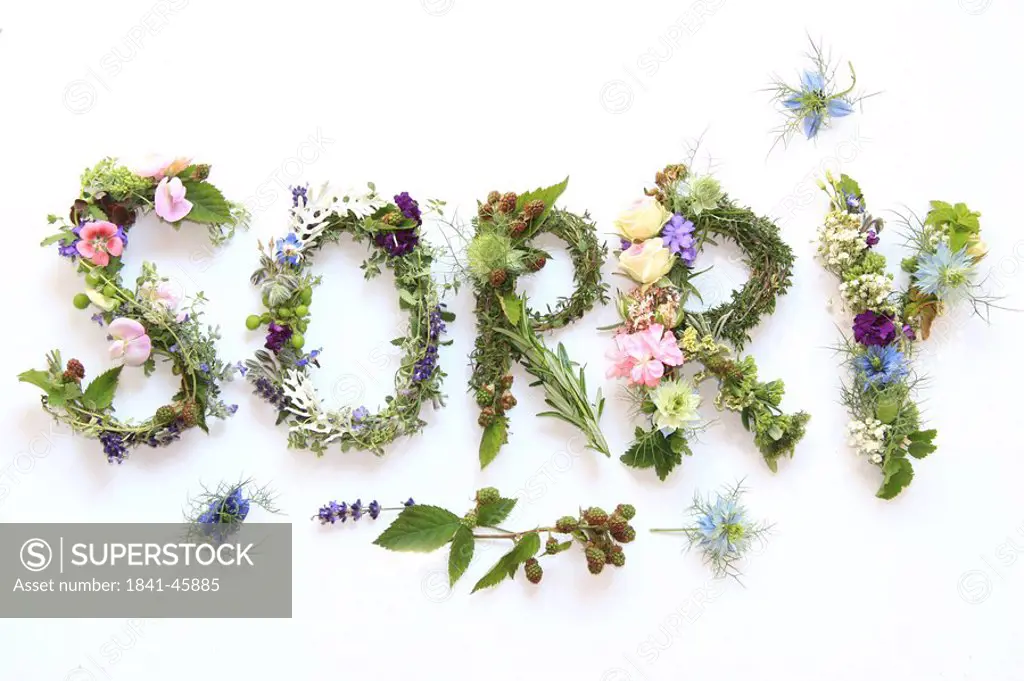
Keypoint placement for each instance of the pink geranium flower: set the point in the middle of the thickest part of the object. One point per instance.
(98, 241)
(642, 357)
(131, 343)
(170, 203)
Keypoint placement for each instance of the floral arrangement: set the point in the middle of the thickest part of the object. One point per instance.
(424, 528)
(143, 322)
(507, 329)
(721, 530)
(885, 421)
(811, 105)
(281, 373)
(218, 514)
(662, 236)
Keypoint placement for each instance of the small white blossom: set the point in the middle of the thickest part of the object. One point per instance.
(868, 437)
(867, 292)
(841, 241)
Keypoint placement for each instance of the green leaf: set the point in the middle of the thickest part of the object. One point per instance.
(54, 238)
(898, 474)
(420, 528)
(447, 316)
(549, 195)
(491, 515)
(512, 306)
(40, 379)
(100, 393)
(919, 450)
(887, 411)
(652, 449)
(407, 300)
(208, 205)
(495, 435)
(461, 554)
(506, 567)
(923, 435)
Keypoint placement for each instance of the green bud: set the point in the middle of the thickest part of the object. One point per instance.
(110, 290)
(93, 278)
(298, 341)
(284, 312)
(265, 318)
(487, 495)
(252, 322)
(306, 296)
(301, 311)
(81, 301)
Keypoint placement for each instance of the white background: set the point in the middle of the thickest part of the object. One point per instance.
(450, 99)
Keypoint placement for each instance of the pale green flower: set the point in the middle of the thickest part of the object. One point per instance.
(702, 193)
(676, 402)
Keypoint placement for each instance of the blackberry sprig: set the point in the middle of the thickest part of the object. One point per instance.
(597, 533)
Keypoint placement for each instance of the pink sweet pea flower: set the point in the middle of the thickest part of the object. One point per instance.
(131, 343)
(98, 241)
(171, 203)
(158, 167)
(643, 356)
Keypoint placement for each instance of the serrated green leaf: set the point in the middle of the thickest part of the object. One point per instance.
(652, 450)
(923, 435)
(898, 474)
(491, 515)
(549, 195)
(40, 379)
(208, 205)
(461, 553)
(100, 393)
(495, 435)
(526, 548)
(54, 238)
(420, 528)
(919, 450)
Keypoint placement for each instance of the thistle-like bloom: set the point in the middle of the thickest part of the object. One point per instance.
(881, 366)
(943, 273)
(131, 344)
(289, 250)
(813, 105)
(676, 404)
(98, 241)
(702, 193)
(643, 356)
(220, 513)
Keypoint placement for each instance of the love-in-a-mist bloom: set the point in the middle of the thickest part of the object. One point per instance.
(880, 366)
(170, 202)
(99, 240)
(642, 356)
(131, 344)
(675, 402)
(814, 104)
(943, 273)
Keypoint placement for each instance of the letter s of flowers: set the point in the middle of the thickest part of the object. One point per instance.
(142, 323)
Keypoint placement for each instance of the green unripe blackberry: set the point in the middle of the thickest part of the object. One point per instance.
(534, 572)
(566, 524)
(165, 415)
(487, 495)
(188, 414)
(483, 398)
(617, 557)
(298, 341)
(252, 322)
(627, 535)
(81, 301)
(627, 511)
(551, 545)
(616, 523)
(469, 520)
(595, 516)
(595, 560)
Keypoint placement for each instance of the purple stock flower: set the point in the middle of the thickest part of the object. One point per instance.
(908, 331)
(872, 238)
(871, 328)
(278, 336)
(397, 242)
(409, 207)
(678, 237)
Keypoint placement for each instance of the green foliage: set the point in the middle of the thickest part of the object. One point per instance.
(495, 435)
(420, 528)
(524, 549)
(100, 393)
(549, 195)
(461, 554)
(208, 204)
(898, 474)
(117, 181)
(651, 449)
(493, 514)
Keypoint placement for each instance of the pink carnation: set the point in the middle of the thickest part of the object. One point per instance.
(642, 356)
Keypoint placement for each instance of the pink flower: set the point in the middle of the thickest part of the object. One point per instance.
(131, 343)
(643, 356)
(170, 202)
(98, 241)
(159, 167)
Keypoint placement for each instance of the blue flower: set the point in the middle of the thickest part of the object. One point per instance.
(374, 509)
(241, 368)
(357, 510)
(725, 532)
(300, 194)
(813, 81)
(309, 359)
(812, 125)
(289, 250)
(408, 503)
(678, 237)
(839, 108)
(943, 273)
(359, 414)
(881, 365)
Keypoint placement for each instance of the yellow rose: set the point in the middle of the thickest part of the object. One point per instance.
(647, 262)
(644, 219)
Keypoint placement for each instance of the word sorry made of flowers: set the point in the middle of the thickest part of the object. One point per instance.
(143, 323)
(507, 329)
(885, 423)
(281, 373)
(662, 236)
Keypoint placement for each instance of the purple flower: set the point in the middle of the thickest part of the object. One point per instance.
(232, 409)
(854, 204)
(309, 359)
(871, 328)
(872, 238)
(299, 194)
(409, 207)
(113, 446)
(357, 510)
(374, 509)
(397, 242)
(98, 318)
(274, 394)
(241, 368)
(678, 237)
(359, 414)
(908, 331)
(278, 336)
(424, 368)
(624, 244)
(437, 325)
(408, 503)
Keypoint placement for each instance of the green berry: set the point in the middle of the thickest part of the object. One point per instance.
(566, 524)
(627, 535)
(487, 495)
(595, 560)
(616, 523)
(616, 557)
(534, 572)
(110, 290)
(627, 511)
(93, 278)
(165, 414)
(301, 311)
(81, 301)
(484, 398)
(306, 296)
(301, 326)
(284, 312)
(252, 322)
(469, 520)
(298, 341)
(595, 516)
(551, 546)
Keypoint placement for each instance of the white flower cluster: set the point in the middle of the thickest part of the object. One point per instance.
(867, 292)
(933, 235)
(868, 438)
(841, 241)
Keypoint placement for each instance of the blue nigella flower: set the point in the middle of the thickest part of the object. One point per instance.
(813, 105)
(881, 365)
(289, 250)
(943, 273)
(724, 530)
(678, 238)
